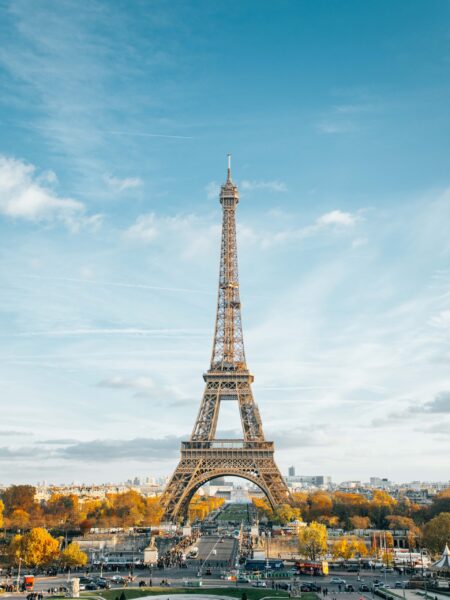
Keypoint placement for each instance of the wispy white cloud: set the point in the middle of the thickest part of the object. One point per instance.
(357, 242)
(154, 135)
(212, 190)
(337, 217)
(273, 186)
(191, 235)
(334, 127)
(198, 234)
(141, 384)
(24, 194)
(441, 320)
(120, 185)
(125, 331)
(120, 284)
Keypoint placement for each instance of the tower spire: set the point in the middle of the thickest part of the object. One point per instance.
(228, 346)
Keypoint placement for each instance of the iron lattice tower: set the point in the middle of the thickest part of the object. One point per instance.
(205, 457)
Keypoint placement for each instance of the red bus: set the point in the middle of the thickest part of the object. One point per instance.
(305, 567)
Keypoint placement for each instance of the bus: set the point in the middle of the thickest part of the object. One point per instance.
(270, 564)
(312, 568)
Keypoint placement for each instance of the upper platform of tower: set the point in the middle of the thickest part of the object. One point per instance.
(229, 194)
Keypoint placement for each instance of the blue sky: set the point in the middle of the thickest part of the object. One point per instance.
(115, 121)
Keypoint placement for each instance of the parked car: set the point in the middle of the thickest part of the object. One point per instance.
(314, 587)
(102, 583)
(364, 588)
(261, 584)
(91, 586)
(400, 584)
(338, 581)
(117, 579)
(349, 587)
(243, 580)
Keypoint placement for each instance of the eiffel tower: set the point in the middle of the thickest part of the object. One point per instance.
(204, 457)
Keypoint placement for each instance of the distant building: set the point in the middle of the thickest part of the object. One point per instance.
(380, 483)
(291, 472)
(115, 549)
(299, 481)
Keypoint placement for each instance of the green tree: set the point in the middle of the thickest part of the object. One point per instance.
(73, 556)
(436, 532)
(313, 540)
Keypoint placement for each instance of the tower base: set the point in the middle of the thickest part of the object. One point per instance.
(202, 461)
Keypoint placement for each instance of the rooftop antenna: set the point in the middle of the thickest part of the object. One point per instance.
(229, 167)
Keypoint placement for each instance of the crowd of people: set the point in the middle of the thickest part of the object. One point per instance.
(175, 556)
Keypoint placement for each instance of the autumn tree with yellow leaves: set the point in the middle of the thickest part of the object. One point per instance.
(349, 547)
(73, 556)
(2, 507)
(201, 506)
(312, 541)
(35, 548)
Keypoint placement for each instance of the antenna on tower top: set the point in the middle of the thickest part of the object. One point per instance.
(229, 167)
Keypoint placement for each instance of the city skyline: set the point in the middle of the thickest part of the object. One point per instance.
(113, 149)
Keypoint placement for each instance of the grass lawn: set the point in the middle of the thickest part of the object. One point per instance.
(252, 593)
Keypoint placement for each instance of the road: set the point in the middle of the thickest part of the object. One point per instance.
(217, 552)
(175, 576)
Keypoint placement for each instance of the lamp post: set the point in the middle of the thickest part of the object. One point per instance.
(18, 573)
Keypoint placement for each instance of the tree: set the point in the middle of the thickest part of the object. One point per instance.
(18, 496)
(313, 540)
(19, 519)
(358, 522)
(62, 510)
(328, 520)
(35, 548)
(349, 547)
(406, 523)
(321, 504)
(381, 506)
(263, 508)
(436, 532)
(86, 525)
(286, 514)
(154, 511)
(2, 507)
(73, 556)
(441, 503)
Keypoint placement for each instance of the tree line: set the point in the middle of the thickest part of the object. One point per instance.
(354, 511)
(19, 510)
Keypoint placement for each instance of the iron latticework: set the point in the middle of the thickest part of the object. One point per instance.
(204, 457)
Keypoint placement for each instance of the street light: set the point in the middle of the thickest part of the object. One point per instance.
(18, 573)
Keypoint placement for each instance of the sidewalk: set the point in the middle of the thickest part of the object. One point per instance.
(420, 594)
